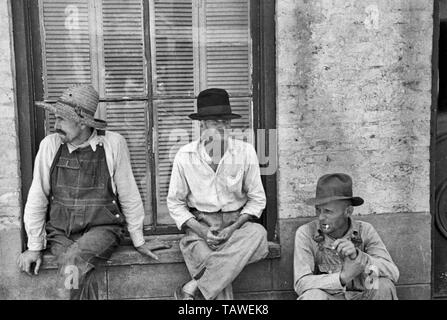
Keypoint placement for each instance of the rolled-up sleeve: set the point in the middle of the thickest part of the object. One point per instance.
(304, 265)
(128, 194)
(253, 185)
(37, 202)
(177, 194)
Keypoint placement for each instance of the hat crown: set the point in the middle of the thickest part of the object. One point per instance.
(82, 96)
(213, 97)
(213, 103)
(334, 185)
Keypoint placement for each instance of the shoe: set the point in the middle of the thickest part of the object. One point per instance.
(180, 294)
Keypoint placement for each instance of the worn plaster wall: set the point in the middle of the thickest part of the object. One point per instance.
(9, 169)
(354, 96)
(10, 197)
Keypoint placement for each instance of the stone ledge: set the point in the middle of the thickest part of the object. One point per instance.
(127, 255)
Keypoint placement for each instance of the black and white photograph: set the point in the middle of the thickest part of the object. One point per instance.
(250, 151)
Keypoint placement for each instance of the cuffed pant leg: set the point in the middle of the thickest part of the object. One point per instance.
(317, 294)
(386, 290)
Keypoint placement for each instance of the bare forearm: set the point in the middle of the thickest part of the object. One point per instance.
(197, 227)
(241, 220)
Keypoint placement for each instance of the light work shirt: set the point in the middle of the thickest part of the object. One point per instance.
(123, 184)
(235, 184)
(317, 265)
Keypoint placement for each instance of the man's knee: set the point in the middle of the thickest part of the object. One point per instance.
(255, 231)
(314, 294)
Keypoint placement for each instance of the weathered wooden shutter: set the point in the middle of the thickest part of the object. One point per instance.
(174, 70)
(226, 53)
(122, 69)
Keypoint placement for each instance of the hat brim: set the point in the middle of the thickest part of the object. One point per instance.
(196, 116)
(67, 112)
(356, 201)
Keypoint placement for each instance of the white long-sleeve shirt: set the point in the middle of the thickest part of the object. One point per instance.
(123, 183)
(235, 184)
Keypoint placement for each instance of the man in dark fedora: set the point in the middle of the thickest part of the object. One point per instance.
(337, 257)
(214, 192)
(82, 196)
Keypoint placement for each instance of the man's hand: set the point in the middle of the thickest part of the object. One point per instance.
(27, 258)
(213, 239)
(350, 270)
(226, 233)
(147, 248)
(345, 248)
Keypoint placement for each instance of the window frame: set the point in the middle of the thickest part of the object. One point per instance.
(29, 88)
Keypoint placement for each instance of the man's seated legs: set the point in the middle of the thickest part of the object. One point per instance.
(78, 255)
(213, 271)
(385, 291)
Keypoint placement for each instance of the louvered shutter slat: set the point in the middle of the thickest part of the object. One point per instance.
(173, 44)
(129, 119)
(172, 120)
(66, 45)
(228, 46)
(123, 48)
(66, 48)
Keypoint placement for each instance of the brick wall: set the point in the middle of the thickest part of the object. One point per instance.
(354, 96)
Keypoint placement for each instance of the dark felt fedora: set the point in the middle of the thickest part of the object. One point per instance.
(335, 186)
(213, 104)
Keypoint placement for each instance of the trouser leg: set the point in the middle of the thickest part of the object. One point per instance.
(78, 258)
(317, 294)
(215, 270)
(385, 290)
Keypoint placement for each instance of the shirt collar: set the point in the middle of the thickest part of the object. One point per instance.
(93, 140)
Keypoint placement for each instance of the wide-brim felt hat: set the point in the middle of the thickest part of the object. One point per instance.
(332, 187)
(213, 104)
(78, 103)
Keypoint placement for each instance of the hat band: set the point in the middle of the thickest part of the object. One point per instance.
(214, 110)
(80, 111)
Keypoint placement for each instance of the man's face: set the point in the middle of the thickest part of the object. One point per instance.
(216, 128)
(69, 131)
(333, 216)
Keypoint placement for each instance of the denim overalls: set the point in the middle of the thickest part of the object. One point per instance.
(84, 221)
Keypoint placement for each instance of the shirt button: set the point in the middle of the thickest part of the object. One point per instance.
(117, 215)
(114, 202)
(100, 144)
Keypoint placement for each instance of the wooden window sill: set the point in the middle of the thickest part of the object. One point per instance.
(127, 255)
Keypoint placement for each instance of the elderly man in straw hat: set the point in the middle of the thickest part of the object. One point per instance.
(82, 196)
(215, 191)
(337, 257)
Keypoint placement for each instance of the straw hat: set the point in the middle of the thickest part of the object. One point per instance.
(78, 103)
